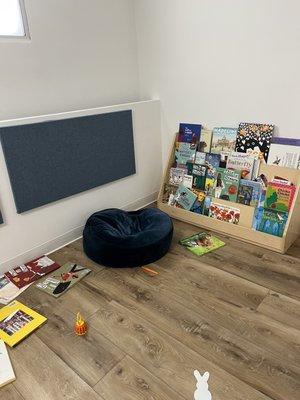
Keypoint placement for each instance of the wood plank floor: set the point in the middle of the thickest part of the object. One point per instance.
(234, 312)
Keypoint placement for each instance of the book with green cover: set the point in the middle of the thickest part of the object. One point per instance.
(184, 152)
(201, 243)
(226, 184)
(62, 279)
(185, 197)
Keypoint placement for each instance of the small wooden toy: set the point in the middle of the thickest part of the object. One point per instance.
(80, 325)
(202, 392)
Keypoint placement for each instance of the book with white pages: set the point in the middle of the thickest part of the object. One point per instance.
(7, 374)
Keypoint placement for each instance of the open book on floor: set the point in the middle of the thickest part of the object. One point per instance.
(201, 243)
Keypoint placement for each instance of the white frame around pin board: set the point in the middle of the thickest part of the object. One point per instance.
(243, 231)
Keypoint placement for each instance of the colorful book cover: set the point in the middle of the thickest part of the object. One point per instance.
(224, 213)
(199, 174)
(188, 181)
(185, 197)
(199, 203)
(201, 243)
(168, 191)
(205, 141)
(223, 140)
(254, 137)
(258, 212)
(242, 162)
(7, 374)
(279, 196)
(176, 175)
(206, 205)
(226, 184)
(189, 133)
(184, 152)
(273, 222)
(17, 322)
(9, 291)
(212, 161)
(249, 192)
(285, 152)
(200, 158)
(189, 165)
(63, 279)
(209, 183)
(33, 270)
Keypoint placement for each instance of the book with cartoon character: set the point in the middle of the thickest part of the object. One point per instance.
(65, 277)
(32, 271)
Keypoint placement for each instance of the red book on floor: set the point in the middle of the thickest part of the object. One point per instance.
(31, 271)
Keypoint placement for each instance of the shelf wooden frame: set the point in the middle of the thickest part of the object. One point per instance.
(243, 231)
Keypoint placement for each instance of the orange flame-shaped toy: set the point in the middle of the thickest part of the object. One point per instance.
(80, 325)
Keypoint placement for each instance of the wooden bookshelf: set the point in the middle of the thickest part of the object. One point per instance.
(243, 231)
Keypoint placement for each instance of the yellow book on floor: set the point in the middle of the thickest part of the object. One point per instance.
(17, 322)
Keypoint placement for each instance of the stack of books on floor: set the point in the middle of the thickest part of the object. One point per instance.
(223, 164)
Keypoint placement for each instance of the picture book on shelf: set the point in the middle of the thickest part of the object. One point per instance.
(189, 133)
(255, 137)
(206, 205)
(9, 291)
(249, 192)
(199, 173)
(201, 243)
(199, 203)
(273, 222)
(226, 184)
(176, 175)
(17, 322)
(185, 197)
(212, 161)
(224, 213)
(205, 141)
(7, 374)
(169, 190)
(285, 152)
(242, 162)
(223, 140)
(184, 152)
(33, 270)
(63, 279)
(187, 181)
(279, 196)
(258, 211)
(200, 157)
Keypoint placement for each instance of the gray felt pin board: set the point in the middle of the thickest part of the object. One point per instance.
(52, 160)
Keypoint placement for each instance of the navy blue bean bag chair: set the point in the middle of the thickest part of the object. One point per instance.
(117, 238)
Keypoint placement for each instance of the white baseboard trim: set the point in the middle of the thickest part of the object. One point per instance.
(67, 238)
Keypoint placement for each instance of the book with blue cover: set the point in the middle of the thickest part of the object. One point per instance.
(184, 153)
(212, 162)
(185, 197)
(249, 192)
(273, 222)
(189, 133)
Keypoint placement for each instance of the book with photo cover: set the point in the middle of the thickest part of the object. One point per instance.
(285, 152)
(201, 243)
(249, 192)
(205, 141)
(273, 222)
(17, 321)
(255, 137)
(279, 196)
(223, 140)
(32, 271)
(226, 184)
(224, 213)
(242, 162)
(177, 175)
(189, 133)
(63, 279)
(184, 152)
(9, 291)
(169, 190)
(199, 174)
(185, 197)
(198, 206)
(7, 374)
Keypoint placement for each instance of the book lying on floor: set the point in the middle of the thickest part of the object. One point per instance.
(201, 243)
(9, 291)
(31, 271)
(17, 322)
(63, 279)
(6, 371)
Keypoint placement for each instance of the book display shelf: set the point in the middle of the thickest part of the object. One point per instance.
(243, 231)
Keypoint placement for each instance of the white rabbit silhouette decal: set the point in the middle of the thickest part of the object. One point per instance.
(202, 392)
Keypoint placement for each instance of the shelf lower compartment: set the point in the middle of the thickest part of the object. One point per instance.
(239, 232)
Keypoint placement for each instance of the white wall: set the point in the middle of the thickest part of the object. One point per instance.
(82, 54)
(221, 62)
(28, 235)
